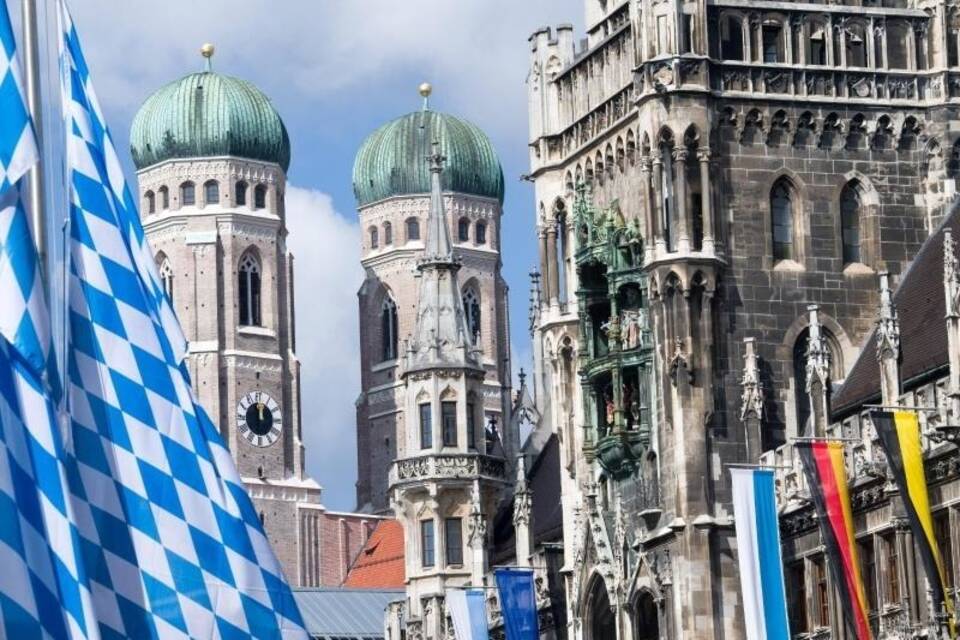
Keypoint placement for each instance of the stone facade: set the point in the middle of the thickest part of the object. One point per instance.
(704, 173)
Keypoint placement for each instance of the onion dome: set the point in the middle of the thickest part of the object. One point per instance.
(207, 114)
(392, 161)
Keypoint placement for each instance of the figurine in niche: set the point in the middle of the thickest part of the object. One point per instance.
(629, 405)
(632, 320)
(611, 410)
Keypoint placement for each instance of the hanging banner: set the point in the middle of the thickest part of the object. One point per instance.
(827, 481)
(468, 610)
(518, 603)
(899, 433)
(758, 551)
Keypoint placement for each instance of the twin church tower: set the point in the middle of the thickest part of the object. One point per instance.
(433, 444)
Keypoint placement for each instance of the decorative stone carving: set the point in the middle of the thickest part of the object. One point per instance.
(751, 398)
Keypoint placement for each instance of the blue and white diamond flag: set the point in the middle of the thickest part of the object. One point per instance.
(43, 591)
(174, 545)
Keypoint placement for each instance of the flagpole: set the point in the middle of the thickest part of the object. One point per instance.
(31, 72)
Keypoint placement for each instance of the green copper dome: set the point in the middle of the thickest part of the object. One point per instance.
(393, 159)
(208, 114)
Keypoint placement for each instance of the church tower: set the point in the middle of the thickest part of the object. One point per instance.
(392, 184)
(446, 480)
(212, 154)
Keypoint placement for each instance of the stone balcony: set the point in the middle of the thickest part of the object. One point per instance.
(448, 466)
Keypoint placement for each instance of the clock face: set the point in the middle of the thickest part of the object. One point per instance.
(259, 419)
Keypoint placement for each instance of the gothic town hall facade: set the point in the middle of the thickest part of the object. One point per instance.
(744, 214)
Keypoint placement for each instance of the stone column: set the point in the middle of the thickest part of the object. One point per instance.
(544, 259)
(553, 282)
(888, 344)
(658, 211)
(646, 190)
(680, 198)
(706, 198)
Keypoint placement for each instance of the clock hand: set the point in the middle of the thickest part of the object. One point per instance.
(260, 410)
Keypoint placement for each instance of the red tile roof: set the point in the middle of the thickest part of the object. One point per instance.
(380, 564)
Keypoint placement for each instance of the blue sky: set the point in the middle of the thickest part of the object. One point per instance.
(336, 70)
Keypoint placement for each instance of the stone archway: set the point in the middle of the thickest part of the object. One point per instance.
(646, 618)
(601, 621)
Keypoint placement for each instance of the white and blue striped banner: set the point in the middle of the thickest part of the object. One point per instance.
(468, 611)
(758, 547)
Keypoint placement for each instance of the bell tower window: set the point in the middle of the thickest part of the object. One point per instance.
(188, 194)
(480, 233)
(260, 197)
(240, 198)
(781, 216)
(151, 201)
(164, 198)
(211, 192)
(413, 229)
(249, 288)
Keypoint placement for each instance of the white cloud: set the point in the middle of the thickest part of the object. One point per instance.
(475, 51)
(327, 274)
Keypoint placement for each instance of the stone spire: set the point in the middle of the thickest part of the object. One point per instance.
(522, 515)
(951, 300)
(818, 373)
(888, 344)
(440, 338)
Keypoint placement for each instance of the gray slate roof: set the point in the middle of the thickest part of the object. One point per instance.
(345, 614)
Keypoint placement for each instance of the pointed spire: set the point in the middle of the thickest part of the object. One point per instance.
(438, 236)
(888, 344)
(951, 294)
(817, 373)
(441, 332)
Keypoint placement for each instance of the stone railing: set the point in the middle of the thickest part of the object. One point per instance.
(445, 466)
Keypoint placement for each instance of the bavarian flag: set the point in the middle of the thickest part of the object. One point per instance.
(899, 433)
(827, 480)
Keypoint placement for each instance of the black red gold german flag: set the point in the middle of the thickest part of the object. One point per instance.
(827, 480)
(899, 433)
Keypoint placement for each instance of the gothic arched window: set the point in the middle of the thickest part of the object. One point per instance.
(151, 201)
(374, 237)
(413, 229)
(249, 288)
(387, 233)
(188, 194)
(850, 204)
(781, 218)
(731, 38)
(471, 307)
(463, 230)
(211, 192)
(259, 197)
(240, 196)
(166, 275)
(480, 233)
(388, 329)
(856, 45)
(164, 198)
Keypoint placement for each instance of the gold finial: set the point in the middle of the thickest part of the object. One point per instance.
(425, 90)
(207, 52)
